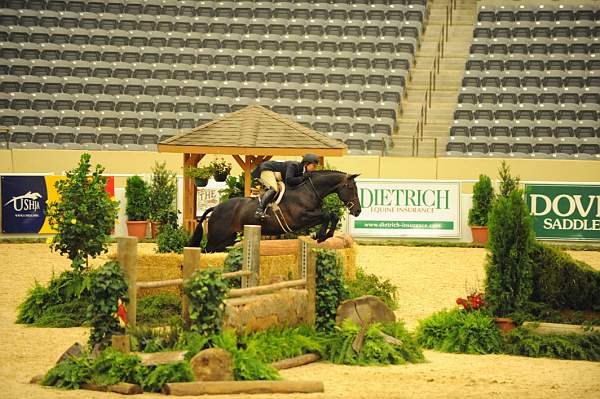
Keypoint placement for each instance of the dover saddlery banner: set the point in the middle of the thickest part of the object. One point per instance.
(400, 208)
(565, 211)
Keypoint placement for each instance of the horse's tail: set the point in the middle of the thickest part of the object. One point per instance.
(199, 232)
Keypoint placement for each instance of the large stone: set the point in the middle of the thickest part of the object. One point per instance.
(212, 364)
(74, 350)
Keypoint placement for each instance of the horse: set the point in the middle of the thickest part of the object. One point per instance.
(300, 208)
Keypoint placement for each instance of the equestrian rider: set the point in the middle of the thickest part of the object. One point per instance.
(290, 172)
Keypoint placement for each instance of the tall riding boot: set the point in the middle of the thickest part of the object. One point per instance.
(268, 196)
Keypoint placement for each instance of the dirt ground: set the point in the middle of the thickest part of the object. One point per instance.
(429, 279)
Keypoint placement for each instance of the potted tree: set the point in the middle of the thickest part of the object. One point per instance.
(220, 169)
(483, 198)
(162, 195)
(137, 209)
(199, 174)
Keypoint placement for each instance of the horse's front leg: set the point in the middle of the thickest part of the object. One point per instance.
(333, 222)
(315, 217)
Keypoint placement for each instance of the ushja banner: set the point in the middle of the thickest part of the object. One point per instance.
(399, 208)
(24, 202)
(565, 211)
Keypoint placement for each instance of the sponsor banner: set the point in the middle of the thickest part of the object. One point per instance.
(564, 211)
(398, 208)
(24, 202)
(209, 196)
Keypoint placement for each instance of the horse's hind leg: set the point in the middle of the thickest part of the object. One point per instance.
(220, 246)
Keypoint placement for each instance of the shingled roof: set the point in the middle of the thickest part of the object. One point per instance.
(253, 130)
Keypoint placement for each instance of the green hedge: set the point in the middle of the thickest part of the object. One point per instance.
(563, 282)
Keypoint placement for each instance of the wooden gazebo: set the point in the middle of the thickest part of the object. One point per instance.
(251, 135)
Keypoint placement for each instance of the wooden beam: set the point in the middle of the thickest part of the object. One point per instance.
(555, 328)
(123, 388)
(237, 387)
(152, 359)
(265, 289)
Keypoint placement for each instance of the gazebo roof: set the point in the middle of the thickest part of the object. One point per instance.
(253, 130)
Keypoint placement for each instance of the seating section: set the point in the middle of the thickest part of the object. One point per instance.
(531, 87)
(115, 74)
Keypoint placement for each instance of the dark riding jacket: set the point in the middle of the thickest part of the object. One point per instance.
(291, 171)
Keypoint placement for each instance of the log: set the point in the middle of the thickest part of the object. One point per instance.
(159, 283)
(238, 387)
(295, 361)
(555, 328)
(265, 289)
(150, 359)
(239, 273)
(123, 388)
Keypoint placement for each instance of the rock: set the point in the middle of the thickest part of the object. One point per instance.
(212, 364)
(364, 311)
(74, 350)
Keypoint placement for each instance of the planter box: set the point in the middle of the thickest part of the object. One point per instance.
(480, 234)
(505, 324)
(137, 228)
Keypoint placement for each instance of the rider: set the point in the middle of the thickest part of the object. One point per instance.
(270, 172)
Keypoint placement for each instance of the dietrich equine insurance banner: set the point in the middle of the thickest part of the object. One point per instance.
(399, 208)
(565, 211)
(24, 202)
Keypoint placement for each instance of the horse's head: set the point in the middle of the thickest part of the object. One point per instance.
(348, 193)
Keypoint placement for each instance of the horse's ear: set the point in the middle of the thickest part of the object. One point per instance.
(352, 177)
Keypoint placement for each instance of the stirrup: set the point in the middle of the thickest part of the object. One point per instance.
(261, 215)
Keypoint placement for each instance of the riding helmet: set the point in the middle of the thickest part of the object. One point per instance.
(310, 158)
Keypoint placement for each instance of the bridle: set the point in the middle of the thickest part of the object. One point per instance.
(349, 204)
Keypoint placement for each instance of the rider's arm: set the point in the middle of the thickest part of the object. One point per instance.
(293, 175)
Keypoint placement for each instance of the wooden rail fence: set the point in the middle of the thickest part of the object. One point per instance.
(250, 273)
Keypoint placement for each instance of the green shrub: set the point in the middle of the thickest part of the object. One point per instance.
(113, 366)
(508, 183)
(62, 303)
(246, 365)
(138, 199)
(277, 344)
(524, 342)
(371, 284)
(162, 193)
(152, 379)
(563, 282)
(375, 350)
(483, 198)
(70, 373)
(460, 332)
(330, 288)
(158, 309)
(509, 274)
(171, 239)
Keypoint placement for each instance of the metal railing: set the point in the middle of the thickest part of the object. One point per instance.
(431, 85)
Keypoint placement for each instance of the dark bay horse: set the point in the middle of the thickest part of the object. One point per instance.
(300, 206)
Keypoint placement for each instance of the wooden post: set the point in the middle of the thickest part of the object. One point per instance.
(121, 343)
(127, 257)
(251, 256)
(189, 192)
(308, 269)
(191, 262)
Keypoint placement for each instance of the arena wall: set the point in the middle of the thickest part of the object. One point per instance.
(118, 162)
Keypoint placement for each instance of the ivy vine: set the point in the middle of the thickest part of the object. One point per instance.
(206, 291)
(330, 288)
(107, 286)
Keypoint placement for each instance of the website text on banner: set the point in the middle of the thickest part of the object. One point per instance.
(399, 208)
(565, 211)
(24, 202)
